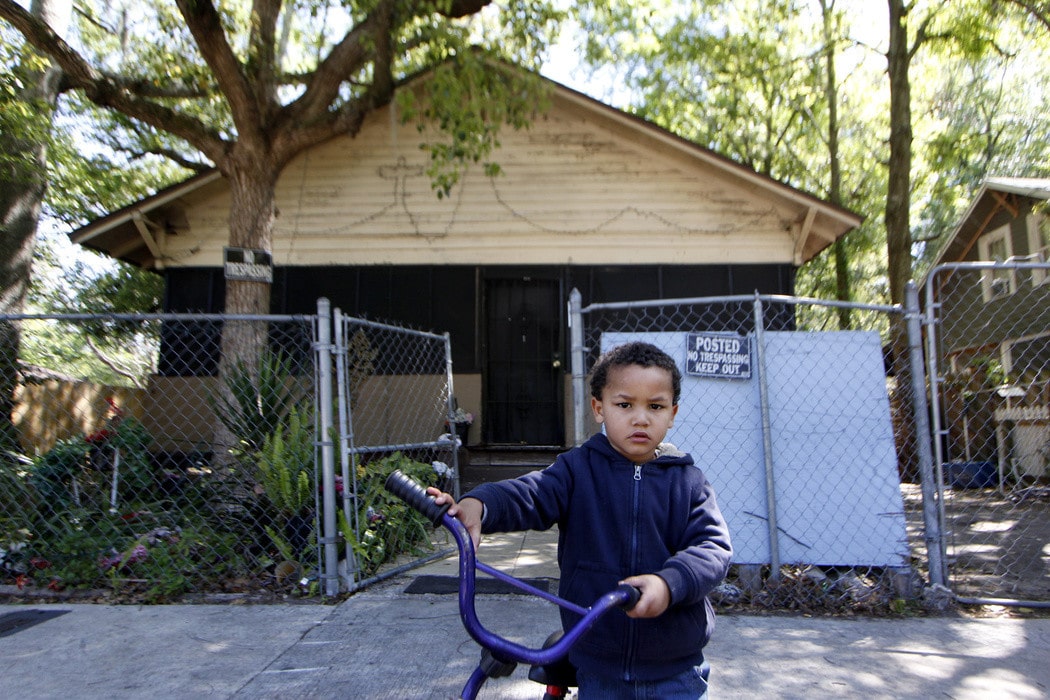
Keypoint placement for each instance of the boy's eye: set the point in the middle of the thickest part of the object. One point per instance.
(623, 404)
(656, 406)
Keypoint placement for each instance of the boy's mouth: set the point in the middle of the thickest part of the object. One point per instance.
(639, 436)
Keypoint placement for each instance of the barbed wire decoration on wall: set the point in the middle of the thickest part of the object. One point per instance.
(407, 203)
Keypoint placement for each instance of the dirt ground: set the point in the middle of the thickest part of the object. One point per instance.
(997, 542)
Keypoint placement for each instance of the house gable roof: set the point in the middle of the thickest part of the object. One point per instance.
(139, 233)
(993, 197)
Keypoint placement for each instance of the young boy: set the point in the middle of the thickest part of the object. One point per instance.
(629, 508)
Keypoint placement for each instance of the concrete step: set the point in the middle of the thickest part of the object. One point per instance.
(482, 465)
(534, 457)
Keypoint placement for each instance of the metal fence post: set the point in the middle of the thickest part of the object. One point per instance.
(767, 444)
(579, 372)
(346, 441)
(937, 430)
(931, 519)
(330, 577)
(451, 411)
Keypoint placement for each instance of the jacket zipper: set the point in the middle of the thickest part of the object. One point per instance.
(629, 653)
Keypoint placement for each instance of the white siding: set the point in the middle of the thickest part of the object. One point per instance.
(577, 188)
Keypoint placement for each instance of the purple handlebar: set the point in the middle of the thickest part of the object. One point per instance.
(503, 650)
(623, 596)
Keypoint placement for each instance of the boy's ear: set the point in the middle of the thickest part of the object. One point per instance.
(596, 409)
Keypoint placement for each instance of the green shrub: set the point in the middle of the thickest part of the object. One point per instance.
(388, 527)
(136, 469)
(286, 465)
(256, 400)
(147, 551)
(52, 472)
(18, 498)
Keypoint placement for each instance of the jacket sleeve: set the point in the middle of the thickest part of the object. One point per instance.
(535, 501)
(702, 562)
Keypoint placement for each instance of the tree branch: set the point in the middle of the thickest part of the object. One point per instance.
(79, 73)
(112, 364)
(463, 8)
(147, 89)
(205, 25)
(175, 157)
(1040, 12)
(382, 76)
(262, 53)
(104, 90)
(355, 50)
(346, 58)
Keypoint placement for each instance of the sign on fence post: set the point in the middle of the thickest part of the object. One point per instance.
(718, 355)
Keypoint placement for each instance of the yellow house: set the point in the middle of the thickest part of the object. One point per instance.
(589, 198)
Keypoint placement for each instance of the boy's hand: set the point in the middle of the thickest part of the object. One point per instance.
(468, 511)
(656, 596)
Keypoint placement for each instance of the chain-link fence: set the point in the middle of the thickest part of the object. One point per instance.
(805, 429)
(242, 463)
(989, 356)
(213, 467)
(195, 474)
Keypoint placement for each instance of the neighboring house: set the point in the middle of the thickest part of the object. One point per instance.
(995, 325)
(589, 198)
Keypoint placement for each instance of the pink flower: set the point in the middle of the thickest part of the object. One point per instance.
(108, 562)
(116, 560)
(138, 553)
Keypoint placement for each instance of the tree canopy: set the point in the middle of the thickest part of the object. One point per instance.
(745, 77)
(245, 87)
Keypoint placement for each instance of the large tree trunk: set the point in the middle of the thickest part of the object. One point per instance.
(898, 231)
(252, 213)
(843, 283)
(898, 195)
(23, 182)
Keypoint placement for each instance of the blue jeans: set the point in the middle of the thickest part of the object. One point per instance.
(690, 685)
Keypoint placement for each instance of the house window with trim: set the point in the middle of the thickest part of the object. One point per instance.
(1039, 246)
(996, 247)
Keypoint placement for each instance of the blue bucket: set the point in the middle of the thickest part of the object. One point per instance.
(971, 475)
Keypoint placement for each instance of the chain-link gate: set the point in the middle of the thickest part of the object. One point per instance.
(192, 471)
(395, 410)
(808, 436)
(988, 338)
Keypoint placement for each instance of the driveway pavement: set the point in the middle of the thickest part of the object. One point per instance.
(385, 643)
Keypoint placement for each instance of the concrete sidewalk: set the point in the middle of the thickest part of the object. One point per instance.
(384, 643)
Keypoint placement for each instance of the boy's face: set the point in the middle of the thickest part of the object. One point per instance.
(637, 408)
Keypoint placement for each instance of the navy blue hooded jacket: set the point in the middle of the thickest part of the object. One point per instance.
(617, 519)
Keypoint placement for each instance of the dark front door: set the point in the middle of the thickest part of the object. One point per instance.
(523, 363)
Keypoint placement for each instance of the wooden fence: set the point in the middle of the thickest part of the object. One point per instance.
(50, 409)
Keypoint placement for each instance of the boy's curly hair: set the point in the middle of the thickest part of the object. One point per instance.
(634, 353)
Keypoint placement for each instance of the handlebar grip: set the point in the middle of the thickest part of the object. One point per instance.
(633, 595)
(406, 488)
